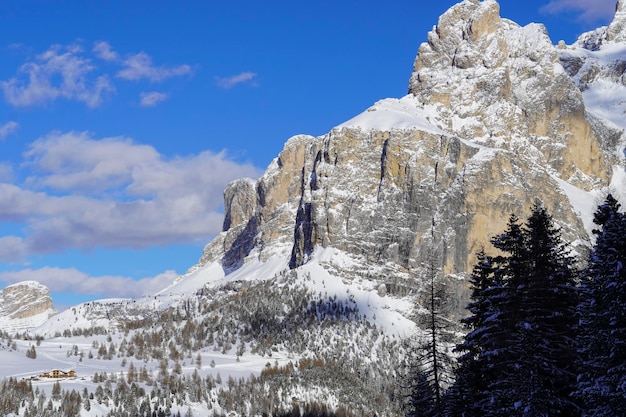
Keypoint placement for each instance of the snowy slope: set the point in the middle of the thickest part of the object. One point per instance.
(394, 114)
(596, 64)
(79, 338)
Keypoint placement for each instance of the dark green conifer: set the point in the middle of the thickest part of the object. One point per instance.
(602, 337)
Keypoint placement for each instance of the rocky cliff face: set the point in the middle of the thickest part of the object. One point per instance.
(495, 119)
(25, 305)
(597, 64)
(497, 84)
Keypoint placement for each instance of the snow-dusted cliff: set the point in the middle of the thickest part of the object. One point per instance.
(496, 117)
(24, 306)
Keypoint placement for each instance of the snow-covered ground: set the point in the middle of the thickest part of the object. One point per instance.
(59, 350)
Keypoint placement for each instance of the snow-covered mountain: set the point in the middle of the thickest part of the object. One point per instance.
(25, 305)
(495, 118)
(324, 259)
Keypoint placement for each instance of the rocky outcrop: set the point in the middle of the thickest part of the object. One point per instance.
(259, 216)
(493, 82)
(25, 305)
(596, 63)
(616, 32)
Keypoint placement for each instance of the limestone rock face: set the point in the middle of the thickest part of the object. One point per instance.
(382, 195)
(495, 120)
(259, 215)
(25, 305)
(493, 82)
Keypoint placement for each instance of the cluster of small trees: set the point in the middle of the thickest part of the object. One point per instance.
(543, 338)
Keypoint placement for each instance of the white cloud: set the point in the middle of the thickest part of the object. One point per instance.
(151, 98)
(75, 161)
(12, 249)
(60, 72)
(68, 72)
(87, 193)
(230, 82)
(139, 66)
(104, 51)
(590, 11)
(71, 280)
(8, 128)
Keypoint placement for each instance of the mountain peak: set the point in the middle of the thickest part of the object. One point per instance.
(616, 31)
(25, 305)
(476, 65)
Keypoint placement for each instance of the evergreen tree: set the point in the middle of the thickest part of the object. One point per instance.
(517, 357)
(548, 329)
(422, 398)
(500, 348)
(468, 394)
(602, 311)
(432, 370)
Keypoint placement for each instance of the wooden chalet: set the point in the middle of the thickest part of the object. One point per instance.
(57, 373)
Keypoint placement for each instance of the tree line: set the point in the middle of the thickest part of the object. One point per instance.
(543, 336)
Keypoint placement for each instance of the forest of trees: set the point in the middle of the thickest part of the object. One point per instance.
(543, 337)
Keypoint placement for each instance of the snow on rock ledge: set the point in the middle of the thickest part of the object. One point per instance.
(393, 114)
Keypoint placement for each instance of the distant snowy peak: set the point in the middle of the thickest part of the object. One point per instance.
(614, 32)
(596, 62)
(617, 29)
(25, 305)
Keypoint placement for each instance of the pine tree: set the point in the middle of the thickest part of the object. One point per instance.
(31, 353)
(422, 401)
(602, 311)
(517, 357)
(432, 367)
(468, 394)
(548, 328)
(500, 349)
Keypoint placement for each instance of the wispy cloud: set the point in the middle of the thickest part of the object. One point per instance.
(151, 98)
(104, 51)
(242, 78)
(140, 66)
(8, 129)
(86, 193)
(69, 72)
(71, 280)
(590, 11)
(59, 72)
(75, 161)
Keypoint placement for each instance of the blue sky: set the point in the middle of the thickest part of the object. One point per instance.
(122, 122)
